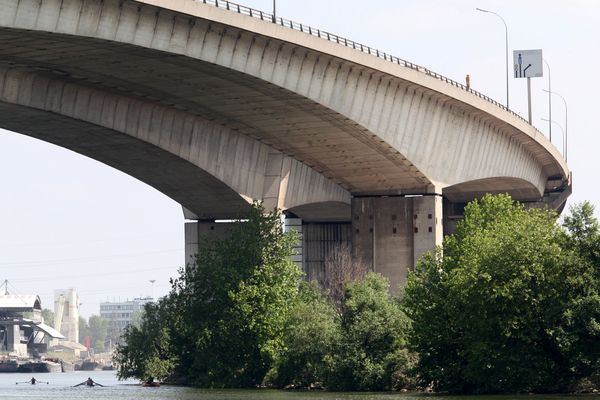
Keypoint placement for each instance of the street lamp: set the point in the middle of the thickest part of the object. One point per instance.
(152, 288)
(551, 121)
(274, 17)
(549, 102)
(566, 138)
(506, 45)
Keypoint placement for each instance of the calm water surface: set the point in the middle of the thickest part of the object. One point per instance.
(60, 386)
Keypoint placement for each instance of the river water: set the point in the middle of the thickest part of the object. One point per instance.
(60, 386)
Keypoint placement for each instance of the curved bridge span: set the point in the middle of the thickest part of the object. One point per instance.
(217, 106)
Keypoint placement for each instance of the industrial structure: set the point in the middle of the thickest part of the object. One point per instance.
(66, 313)
(22, 331)
(216, 105)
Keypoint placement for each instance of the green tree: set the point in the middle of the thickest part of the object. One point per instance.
(98, 331)
(48, 316)
(371, 353)
(231, 307)
(84, 330)
(310, 335)
(149, 351)
(487, 314)
(580, 328)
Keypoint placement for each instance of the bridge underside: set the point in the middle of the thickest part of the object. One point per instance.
(193, 188)
(217, 113)
(322, 139)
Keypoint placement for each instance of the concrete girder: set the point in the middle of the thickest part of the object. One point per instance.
(414, 132)
(210, 169)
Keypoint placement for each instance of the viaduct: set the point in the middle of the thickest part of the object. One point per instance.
(215, 105)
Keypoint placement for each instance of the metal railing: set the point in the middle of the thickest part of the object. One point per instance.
(265, 16)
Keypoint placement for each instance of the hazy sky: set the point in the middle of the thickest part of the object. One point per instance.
(68, 221)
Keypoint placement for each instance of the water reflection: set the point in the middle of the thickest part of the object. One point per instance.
(61, 387)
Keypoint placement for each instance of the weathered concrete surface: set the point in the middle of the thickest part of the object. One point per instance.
(208, 168)
(216, 109)
(367, 124)
(391, 233)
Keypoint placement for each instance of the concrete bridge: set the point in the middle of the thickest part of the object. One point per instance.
(215, 105)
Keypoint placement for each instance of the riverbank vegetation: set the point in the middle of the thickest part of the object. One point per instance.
(511, 304)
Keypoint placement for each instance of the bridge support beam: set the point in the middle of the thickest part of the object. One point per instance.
(390, 234)
(195, 231)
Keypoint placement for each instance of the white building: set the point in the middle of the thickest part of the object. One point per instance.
(120, 314)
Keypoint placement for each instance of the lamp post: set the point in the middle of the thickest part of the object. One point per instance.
(152, 288)
(549, 102)
(506, 45)
(551, 121)
(274, 14)
(566, 138)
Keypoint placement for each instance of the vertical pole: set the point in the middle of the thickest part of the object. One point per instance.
(529, 98)
(549, 102)
(274, 13)
(566, 131)
(506, 44)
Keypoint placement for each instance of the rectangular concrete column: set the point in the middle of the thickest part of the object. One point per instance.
(428, 224)
(13, 338)
(296, 225)
(389, 234)
(196, 232)
(276, 180)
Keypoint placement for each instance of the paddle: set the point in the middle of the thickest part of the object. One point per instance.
(85, 383)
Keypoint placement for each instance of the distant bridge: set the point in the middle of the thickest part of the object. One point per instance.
(215, 105)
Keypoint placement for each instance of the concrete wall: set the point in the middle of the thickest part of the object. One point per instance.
(391, 233)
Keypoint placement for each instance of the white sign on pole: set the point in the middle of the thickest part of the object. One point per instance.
(528, 63)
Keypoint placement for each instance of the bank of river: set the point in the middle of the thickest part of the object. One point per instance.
(61, 387)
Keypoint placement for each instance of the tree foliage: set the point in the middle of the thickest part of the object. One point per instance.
(491, 314)
(340, 268)
(371, 352)
(310, 336)
(98, 328)
(48, 317)
(148, 352)
(232, 306)
(580, 328)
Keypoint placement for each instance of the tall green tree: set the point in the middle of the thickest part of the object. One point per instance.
(98, 331)
(371, 353)
(310, 336)
(580, 328)
(149, 351)
(487, 314)
(232, 305)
